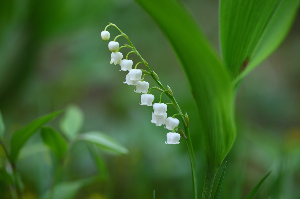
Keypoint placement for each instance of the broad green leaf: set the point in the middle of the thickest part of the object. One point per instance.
(209, 81)
(68, 190)
(32, 149)
(251, 30)
(5, 177)
(2, 126)
(54, 141)
(21, 136)
(103, 142)
(72, 121)
(253, 192)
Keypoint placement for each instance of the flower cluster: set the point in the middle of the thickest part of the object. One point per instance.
(135, 77)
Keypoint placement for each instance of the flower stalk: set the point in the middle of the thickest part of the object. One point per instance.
(169, 94)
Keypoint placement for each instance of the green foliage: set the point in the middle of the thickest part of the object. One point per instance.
(255, 189)
(97, 159)
(54, 141)
(21, 136)
(6, 177)
(103, 142)
(72, 122)
(208, 80)
(251, 30)
(219, 187)
(2, 126)
(68, 190)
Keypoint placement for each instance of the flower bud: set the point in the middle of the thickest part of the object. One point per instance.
(159, 119)
(173, 138)
(126, 64)
(147, 99)
(116, 57)
(171, 123)
(105, 35)
(159, 108)
(113, 46)
(142, 87)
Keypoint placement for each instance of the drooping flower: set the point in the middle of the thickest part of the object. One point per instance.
(173, 138)
(128, 81)
(133, 77)
(142, 87)
(116, 57)
(113, 46)
(147, 99)
(171, 123)
(135, 74)
(159, 119)
(105, 35)
(126, 64)
(159, 108)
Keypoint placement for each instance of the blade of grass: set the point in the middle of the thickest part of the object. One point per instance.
(219, 187)
(255, 189)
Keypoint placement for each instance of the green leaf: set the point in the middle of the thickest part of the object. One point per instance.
(72, 121)
(251, 30)
(2, 126)
(21, 136)
(68, 190)
(54, 141)
(219, 187)
(253, 192)
(209, 82)
(5, 177)
(97, 159)
(103, 142)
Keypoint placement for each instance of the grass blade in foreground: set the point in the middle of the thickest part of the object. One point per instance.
(219, 187)
(209, 81)
(253, 192)
(21, 136)
(251, 30)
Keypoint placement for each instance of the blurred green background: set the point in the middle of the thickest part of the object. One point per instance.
(52, 55)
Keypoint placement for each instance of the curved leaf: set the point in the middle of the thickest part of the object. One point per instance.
(68, 190)
(251, 30)
(21, 136)
(72, 121)
(103, 141)
(54, 141)
(255, 189)
(209, 81)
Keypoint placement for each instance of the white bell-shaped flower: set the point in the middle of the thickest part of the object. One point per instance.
(142, 87)
(147, 99)
(159, 108)
(159, 119)
(126, 64)
(171, 123)
(135, 74)
(173, 138)
(129, 81)
(116, 57)
(105, 35)
(113, 46)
